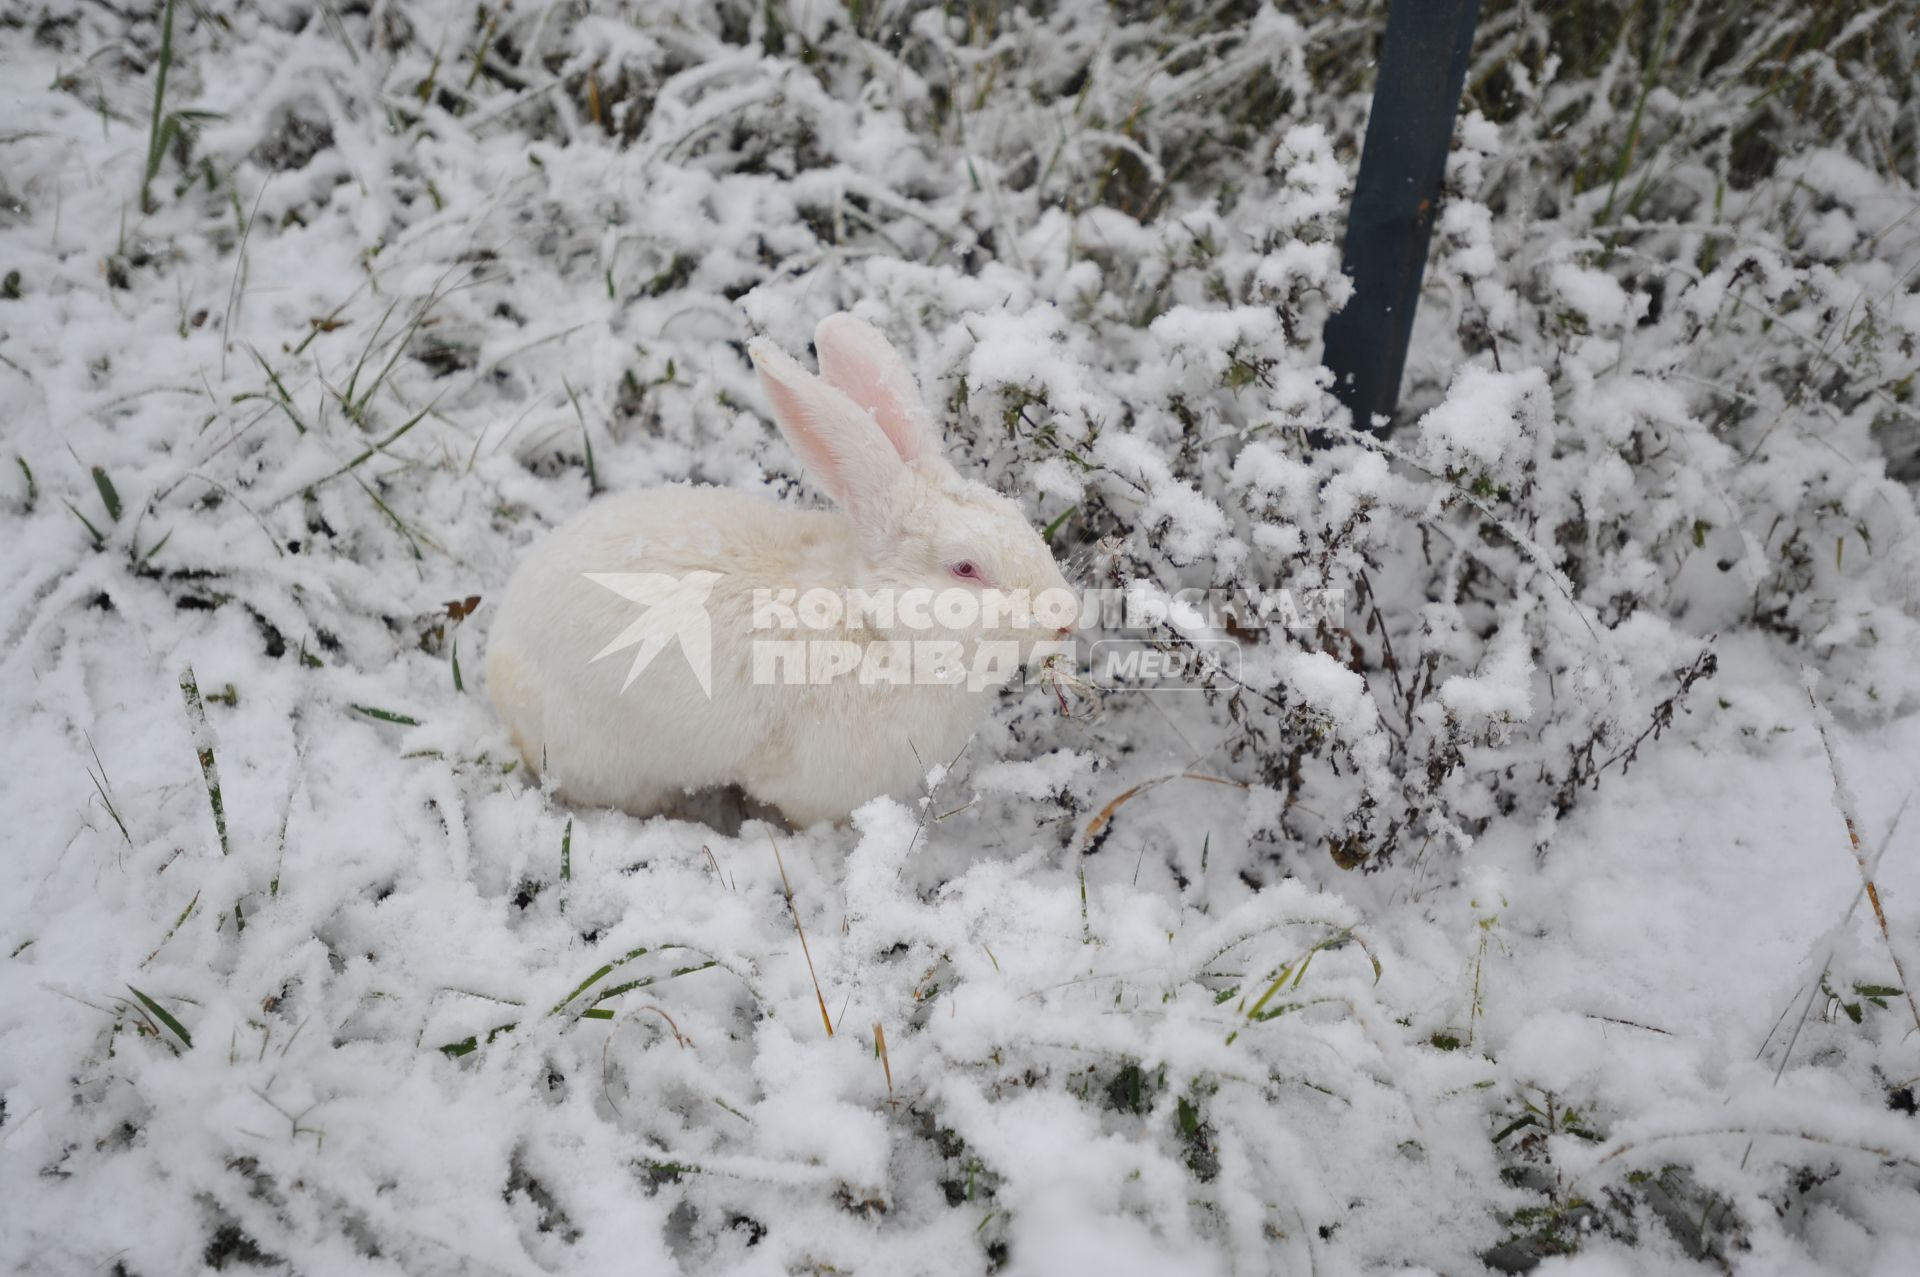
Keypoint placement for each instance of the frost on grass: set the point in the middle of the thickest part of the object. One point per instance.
(1502, 916)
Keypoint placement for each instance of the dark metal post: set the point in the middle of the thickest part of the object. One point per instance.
(1423, 67)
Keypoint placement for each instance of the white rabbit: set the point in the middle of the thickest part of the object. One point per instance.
(607, 730)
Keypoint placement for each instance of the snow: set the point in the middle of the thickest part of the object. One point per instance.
(1596, 295)
(1316, 183)
(1503, 688)
(1404, 947)
(1035, 778)
(1489, 421)
(1329, 688)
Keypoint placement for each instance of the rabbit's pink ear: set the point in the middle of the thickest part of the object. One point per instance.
(834, 436)
(858, 360)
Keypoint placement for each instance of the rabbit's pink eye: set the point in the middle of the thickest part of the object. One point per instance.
(966, 570)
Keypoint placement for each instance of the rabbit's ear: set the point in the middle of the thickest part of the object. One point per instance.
(857, 359)
(834, 436)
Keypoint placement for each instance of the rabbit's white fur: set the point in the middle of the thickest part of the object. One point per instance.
(816, 752)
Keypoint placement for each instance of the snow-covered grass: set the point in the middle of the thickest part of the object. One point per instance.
(1515, 917)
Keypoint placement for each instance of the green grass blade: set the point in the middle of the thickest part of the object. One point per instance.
(157, 547)
(387, 716)
(203, 746)
(157, 136)
(285, 400)
(160, 1013)
(109, 496)
(586, 437)
(99, 539)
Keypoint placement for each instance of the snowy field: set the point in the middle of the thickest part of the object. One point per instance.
(1516, 922)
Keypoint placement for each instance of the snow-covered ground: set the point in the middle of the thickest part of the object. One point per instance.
(1460, 965)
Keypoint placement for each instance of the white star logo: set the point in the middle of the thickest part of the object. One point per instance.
(675, 612)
